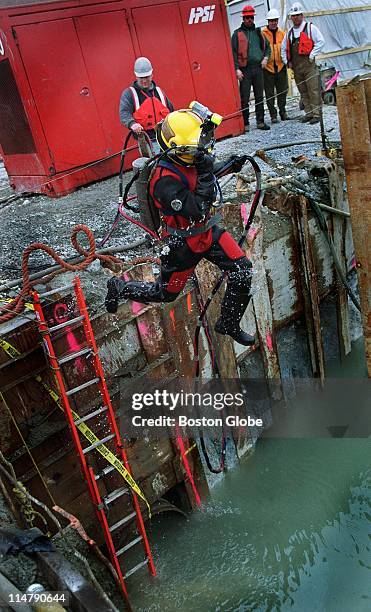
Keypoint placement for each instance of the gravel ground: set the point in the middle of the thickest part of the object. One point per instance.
(48, 220)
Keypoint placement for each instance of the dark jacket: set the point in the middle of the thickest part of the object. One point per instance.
(257, 46)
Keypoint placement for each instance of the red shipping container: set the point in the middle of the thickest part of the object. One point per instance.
(63, 66)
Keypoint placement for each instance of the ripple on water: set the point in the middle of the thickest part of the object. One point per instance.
(284, 539)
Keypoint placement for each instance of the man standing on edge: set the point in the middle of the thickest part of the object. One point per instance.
(251, 52)
(275, 72)
(144, 104)
(299, 49)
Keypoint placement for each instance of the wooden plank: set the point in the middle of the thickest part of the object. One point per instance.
(354, 104)
(148, 320)
(339, 11)
(344, 52)
(339, 224)
(309, 287)
(262, 304)
(62, 576)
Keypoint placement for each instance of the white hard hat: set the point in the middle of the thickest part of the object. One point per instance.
(272, 14)
(142, 67)
(296, 9)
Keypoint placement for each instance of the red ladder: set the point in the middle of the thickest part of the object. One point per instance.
(100, 502)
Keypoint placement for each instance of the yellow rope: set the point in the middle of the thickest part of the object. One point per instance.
(28, 510)
(2, 398)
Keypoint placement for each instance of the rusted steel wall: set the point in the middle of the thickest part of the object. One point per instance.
(137, 341)
(157, 341)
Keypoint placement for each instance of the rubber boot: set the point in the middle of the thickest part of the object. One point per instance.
(231, 313)
(118, 289)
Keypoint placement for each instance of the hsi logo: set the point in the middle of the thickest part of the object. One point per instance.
(203, 13)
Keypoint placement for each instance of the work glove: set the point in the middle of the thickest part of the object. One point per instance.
(136, 128)
(204, 163)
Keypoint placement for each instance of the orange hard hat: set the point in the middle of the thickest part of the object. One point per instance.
(248, 11)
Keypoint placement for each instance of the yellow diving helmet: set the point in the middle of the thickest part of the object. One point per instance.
(182, 128)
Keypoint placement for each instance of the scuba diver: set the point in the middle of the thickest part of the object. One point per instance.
(182, 188)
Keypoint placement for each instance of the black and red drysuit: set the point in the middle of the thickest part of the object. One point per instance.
(184, 195)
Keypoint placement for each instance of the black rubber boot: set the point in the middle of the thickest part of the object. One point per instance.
(119, 289)
(232, 311)
(237, 334)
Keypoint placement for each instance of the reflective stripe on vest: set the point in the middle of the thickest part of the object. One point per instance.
(161, 95)
(151, 110)
(134, 93)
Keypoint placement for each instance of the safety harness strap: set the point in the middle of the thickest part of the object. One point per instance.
(194, 231)
(165, 164)
(134, 93)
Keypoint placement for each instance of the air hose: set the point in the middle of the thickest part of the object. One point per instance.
(202, 317)
(254, 206)
(123, 203)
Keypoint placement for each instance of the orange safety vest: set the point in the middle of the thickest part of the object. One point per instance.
(151, 111)
(243, 47)
(306, 43)
(275, 57)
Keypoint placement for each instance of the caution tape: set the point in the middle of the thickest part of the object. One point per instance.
(102, 449)
(84, 429)
(27, 305)
(9, 349)
(190, 448)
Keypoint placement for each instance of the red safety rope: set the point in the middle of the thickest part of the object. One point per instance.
(14, 308)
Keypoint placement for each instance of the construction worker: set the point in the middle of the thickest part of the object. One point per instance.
(301, 45)
(251, 53)
(143, 104)
(182, 188)
(275, 72)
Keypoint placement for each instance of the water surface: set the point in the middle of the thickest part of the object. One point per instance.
(289, 529)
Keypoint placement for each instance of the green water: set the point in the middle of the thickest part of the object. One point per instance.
(287, 529)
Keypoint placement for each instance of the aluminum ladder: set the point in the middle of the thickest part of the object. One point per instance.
(101, 502)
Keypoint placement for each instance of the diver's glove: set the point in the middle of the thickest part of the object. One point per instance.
(205, 185)
(204, 162)
(238, 161)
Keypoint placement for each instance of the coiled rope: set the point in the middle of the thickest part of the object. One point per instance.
(15, 307)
